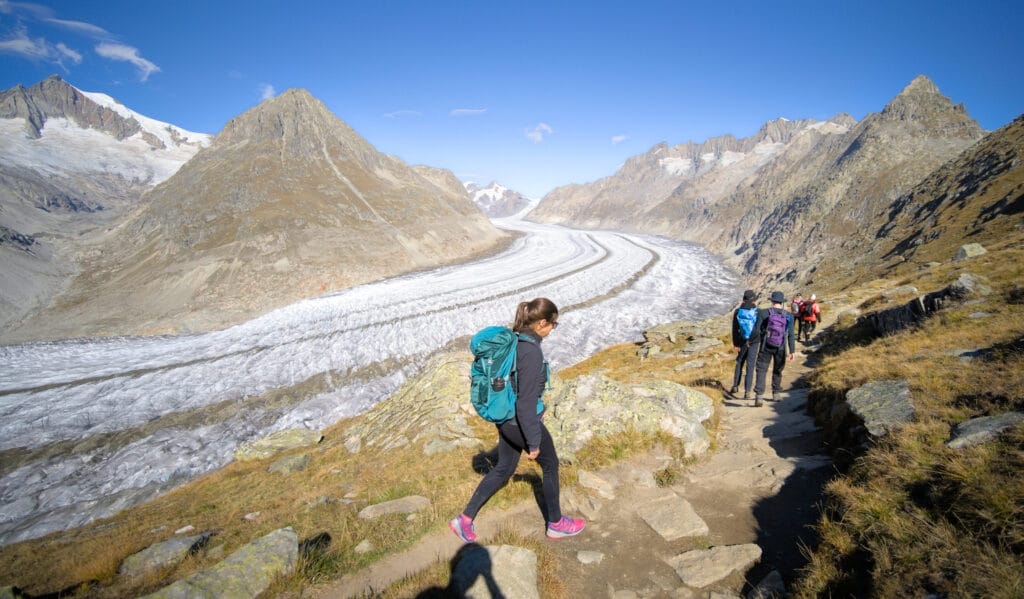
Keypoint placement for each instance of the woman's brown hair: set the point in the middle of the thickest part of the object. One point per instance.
(535, 310)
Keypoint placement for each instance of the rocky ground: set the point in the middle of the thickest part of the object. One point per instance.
(744, 507)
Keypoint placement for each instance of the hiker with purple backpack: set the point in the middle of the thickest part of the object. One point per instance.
(776, 327)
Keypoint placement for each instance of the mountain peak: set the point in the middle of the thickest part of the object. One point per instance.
(922, 103)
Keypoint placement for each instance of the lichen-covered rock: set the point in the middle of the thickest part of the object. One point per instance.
(431, 409)
(594, 405)
(883, 406)
(277, 442)
(245, 573)
(970, 250)
(161, 555)
(290, 464)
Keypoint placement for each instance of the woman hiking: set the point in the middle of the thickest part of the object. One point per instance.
(526, 431)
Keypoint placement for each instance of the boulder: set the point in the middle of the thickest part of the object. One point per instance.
(162, 555)
(593, 405)
(980, 430)
(883, 406)
(247, 572)
(970, 250)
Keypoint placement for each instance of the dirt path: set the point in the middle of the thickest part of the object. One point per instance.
(761, 485)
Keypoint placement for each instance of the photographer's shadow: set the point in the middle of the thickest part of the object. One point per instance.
(470, 563)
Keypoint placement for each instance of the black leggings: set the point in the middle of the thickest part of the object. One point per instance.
(510, 447)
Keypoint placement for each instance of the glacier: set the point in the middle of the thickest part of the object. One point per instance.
(91, 426)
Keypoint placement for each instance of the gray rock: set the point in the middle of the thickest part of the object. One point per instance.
(970, 250)
(161, 555)
(589, 557)
(405, 505)
(898, 291)
(486, 572)
(602, 487)
(883, 406)
(245, 573)
(277, 442)
(290, 464)
(980, 430)
(702, 567)
(770, 587)
(672, 517)
(365, 546)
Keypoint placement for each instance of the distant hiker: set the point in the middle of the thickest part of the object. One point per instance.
(743, 321)
(525, 431)
(810, 314)
(794, 308)
(775, 325)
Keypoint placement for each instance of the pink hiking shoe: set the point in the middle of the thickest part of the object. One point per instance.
(462, 526)
(566, 527)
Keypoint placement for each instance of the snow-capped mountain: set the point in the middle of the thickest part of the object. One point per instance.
(498, 201)
(55, 129)
(70, 162)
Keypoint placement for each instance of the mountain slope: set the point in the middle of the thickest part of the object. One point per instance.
(288, 202)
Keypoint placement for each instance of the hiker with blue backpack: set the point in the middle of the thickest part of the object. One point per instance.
(745, 343)
(507, 385)
(775, 325)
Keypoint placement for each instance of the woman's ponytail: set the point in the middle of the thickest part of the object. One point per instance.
(537, 309)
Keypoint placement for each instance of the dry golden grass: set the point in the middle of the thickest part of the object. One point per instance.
(912, 515)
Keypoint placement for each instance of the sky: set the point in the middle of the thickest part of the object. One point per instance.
(533, 95)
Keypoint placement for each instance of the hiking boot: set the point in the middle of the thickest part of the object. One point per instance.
(566, 527)
(462, 526)
(757, 402)
(748, 395)
(734, 390)
(776, 396)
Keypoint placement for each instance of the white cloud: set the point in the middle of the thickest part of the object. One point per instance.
(20, 44)
(76, 57)
(115, 51)
(617, 139)
(536, 135)
(400, 113)
(467, 111)
(267, 91)
(81, 27)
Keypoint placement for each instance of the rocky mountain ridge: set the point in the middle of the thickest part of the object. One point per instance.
(287, 202)
(773, 214)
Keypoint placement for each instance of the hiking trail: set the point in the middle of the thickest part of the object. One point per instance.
(760, 485)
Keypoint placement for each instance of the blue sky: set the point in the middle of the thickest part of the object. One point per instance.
(531, 94)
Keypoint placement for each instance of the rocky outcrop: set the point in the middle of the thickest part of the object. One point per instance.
(52, 98)
(894, 320)
(279, 441)
(863, 415)
(594, 405)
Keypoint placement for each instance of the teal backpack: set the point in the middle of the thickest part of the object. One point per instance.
(492, 391)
